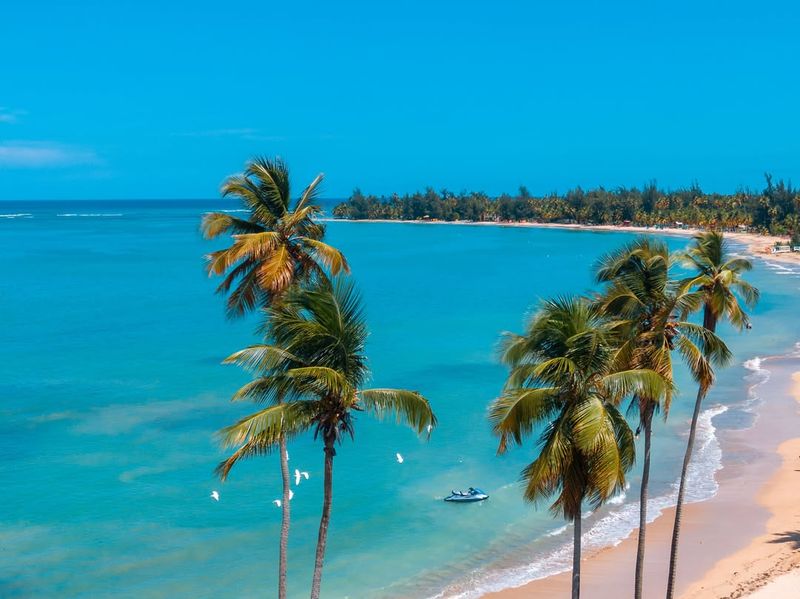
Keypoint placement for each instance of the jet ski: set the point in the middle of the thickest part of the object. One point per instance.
(469, 496)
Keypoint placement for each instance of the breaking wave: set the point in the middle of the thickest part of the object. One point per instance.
(92, 214)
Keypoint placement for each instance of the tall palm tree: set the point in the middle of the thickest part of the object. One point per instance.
(647, 307)
(718, 278)
(316, 363)
(563, 374)
(275, 247)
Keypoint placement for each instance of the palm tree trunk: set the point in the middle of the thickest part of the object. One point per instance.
(576, 558)
(647, 421)
(709, 322)
(676, 530)
(285, 515)
(322, 539)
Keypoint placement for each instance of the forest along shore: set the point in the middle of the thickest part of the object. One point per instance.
(757, 492)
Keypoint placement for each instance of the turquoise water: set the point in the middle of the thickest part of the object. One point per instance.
(112, 338)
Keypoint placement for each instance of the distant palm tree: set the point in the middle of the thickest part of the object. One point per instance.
(718, 278)
(563, 375)
(316, 363)
(274, 248)
(648, 308)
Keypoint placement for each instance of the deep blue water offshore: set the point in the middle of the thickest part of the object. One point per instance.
(112, 388)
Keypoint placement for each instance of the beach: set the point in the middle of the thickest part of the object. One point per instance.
(756, 244)
(744, 542)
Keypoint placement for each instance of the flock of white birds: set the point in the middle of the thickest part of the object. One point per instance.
(299, 475)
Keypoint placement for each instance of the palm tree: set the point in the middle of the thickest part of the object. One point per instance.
(273, 249)
(316, 363)
(647, 307)
(718, 278)
(275, 246)
(563, 374)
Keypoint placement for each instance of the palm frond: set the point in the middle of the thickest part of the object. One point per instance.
(262, 358)
(269, 424)
(409, 407)
(328, 256)
(215, 224)
(517, 411)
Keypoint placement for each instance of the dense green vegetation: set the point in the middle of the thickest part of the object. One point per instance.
(775, 209)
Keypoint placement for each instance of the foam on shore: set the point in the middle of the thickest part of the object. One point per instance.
(610, 529)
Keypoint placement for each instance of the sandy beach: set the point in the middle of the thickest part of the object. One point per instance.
(759, 245)
(743, 540)
(766, 561)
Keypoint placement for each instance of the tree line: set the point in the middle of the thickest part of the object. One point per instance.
(579, 363)
(774, 210)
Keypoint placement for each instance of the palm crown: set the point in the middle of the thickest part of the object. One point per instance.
(563, 375)
(311, 375)
(719, 279)
(274, 247)
(650, 313)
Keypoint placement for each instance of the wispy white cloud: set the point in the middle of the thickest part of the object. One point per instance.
(9, 116)
(44, 154)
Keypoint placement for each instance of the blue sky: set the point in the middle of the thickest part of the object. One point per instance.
(163, 100)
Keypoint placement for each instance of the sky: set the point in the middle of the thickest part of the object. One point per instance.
(127, 100)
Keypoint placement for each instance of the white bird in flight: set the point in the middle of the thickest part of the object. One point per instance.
(298, 476)
(214, 495)
(277, 502)
(291, 494)
(399, 458)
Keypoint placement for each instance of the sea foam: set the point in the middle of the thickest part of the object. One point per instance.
(610, 529)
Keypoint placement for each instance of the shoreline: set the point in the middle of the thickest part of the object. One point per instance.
(758, 245)
(718, 561)
(772, 560)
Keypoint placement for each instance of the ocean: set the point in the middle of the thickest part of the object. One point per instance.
(112, 390)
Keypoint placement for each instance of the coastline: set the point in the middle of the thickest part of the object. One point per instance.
(772, 560)
(759, 245)
(719, 561)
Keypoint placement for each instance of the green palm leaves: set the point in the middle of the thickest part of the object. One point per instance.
(276, 246)
(563, 381)
(310, 378)
(718, 281)
(650, 312)
(580, 359)
(272, 250)
(566, 381)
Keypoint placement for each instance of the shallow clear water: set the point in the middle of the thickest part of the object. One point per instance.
(112, 338)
